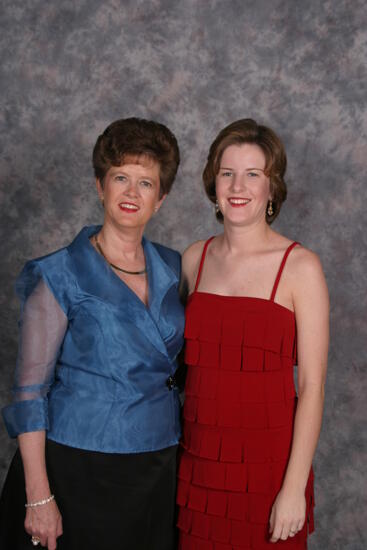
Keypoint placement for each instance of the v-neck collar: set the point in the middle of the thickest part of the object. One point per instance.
(96, 277)
(115, 276)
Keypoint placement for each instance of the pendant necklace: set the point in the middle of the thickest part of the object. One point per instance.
(99, 248)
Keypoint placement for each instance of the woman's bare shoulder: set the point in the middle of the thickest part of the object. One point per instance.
(305, 270)
(193, 251)
(304, 260)
(300, 258)
(191, 258)
(190, 267)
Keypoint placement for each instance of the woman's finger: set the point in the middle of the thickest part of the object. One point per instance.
(293, 530)
(59, 530)
(276, 532)
(51, 542)
(271, 521)
(42, 537)
(285, 532)
(300, 525)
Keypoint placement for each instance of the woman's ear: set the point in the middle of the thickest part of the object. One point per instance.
(99, 190)
(159, 203)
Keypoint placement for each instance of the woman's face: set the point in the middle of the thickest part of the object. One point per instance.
(130, 193)
(242, 188)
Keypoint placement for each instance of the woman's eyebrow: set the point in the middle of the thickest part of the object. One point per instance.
(227, 168)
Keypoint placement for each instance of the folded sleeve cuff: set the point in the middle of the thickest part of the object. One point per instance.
(26, 416)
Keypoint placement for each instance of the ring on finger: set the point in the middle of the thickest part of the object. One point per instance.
(35, 541)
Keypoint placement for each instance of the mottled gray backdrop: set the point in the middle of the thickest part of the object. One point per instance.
(70, 67)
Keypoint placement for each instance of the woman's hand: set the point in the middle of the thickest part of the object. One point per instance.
(287, 514)
(45, 523)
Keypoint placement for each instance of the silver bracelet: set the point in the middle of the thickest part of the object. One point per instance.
(40, 502)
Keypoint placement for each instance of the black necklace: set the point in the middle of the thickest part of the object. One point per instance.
(116, 266)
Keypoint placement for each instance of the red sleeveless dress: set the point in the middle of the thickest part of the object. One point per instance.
(238, 420)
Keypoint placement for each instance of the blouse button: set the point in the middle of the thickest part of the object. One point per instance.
(171, 383)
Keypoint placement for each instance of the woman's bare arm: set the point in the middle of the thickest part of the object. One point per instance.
(311, 304)
(42, 521)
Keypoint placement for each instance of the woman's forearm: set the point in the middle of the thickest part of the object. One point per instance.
(306, 433)
(32, 450)
(43, 521)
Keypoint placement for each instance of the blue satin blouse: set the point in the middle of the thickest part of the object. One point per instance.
(103, 387)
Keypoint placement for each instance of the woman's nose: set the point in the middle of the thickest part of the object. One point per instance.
(132, 189)
(237, 183)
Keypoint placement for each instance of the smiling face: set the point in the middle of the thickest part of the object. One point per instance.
(242, 187)
(130, 192)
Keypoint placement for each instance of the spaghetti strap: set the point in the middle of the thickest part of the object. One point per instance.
(280, 271)
(203, 254)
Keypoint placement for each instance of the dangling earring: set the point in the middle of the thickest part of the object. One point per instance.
(217, 209)
(156, 209)
(270, 210)
(102, 201)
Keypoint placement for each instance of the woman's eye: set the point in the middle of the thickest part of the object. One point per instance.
(120, 178)
(253, 174)
(227, 174)
(146, 183)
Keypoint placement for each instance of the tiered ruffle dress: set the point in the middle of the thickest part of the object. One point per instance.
(238, 421)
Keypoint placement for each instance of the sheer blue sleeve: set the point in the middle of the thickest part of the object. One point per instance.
(42, 328)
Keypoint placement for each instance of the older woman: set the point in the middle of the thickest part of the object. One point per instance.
(257, 303)
(95, 406)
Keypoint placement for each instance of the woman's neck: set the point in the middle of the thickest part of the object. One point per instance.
(121, 242)
(246, 239)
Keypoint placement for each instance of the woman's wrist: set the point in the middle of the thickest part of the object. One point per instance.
(39, 502)
(297, 485)
(37, 489)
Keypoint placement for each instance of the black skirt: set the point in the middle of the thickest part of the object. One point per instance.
(107, 501)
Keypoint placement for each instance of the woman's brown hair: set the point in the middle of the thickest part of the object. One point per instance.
(134, 138)
(243, 131)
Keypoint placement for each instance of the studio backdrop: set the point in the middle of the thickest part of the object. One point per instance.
(70, 67)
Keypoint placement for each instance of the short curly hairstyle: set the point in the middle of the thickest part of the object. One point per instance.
(134, 138)
(243, 131)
